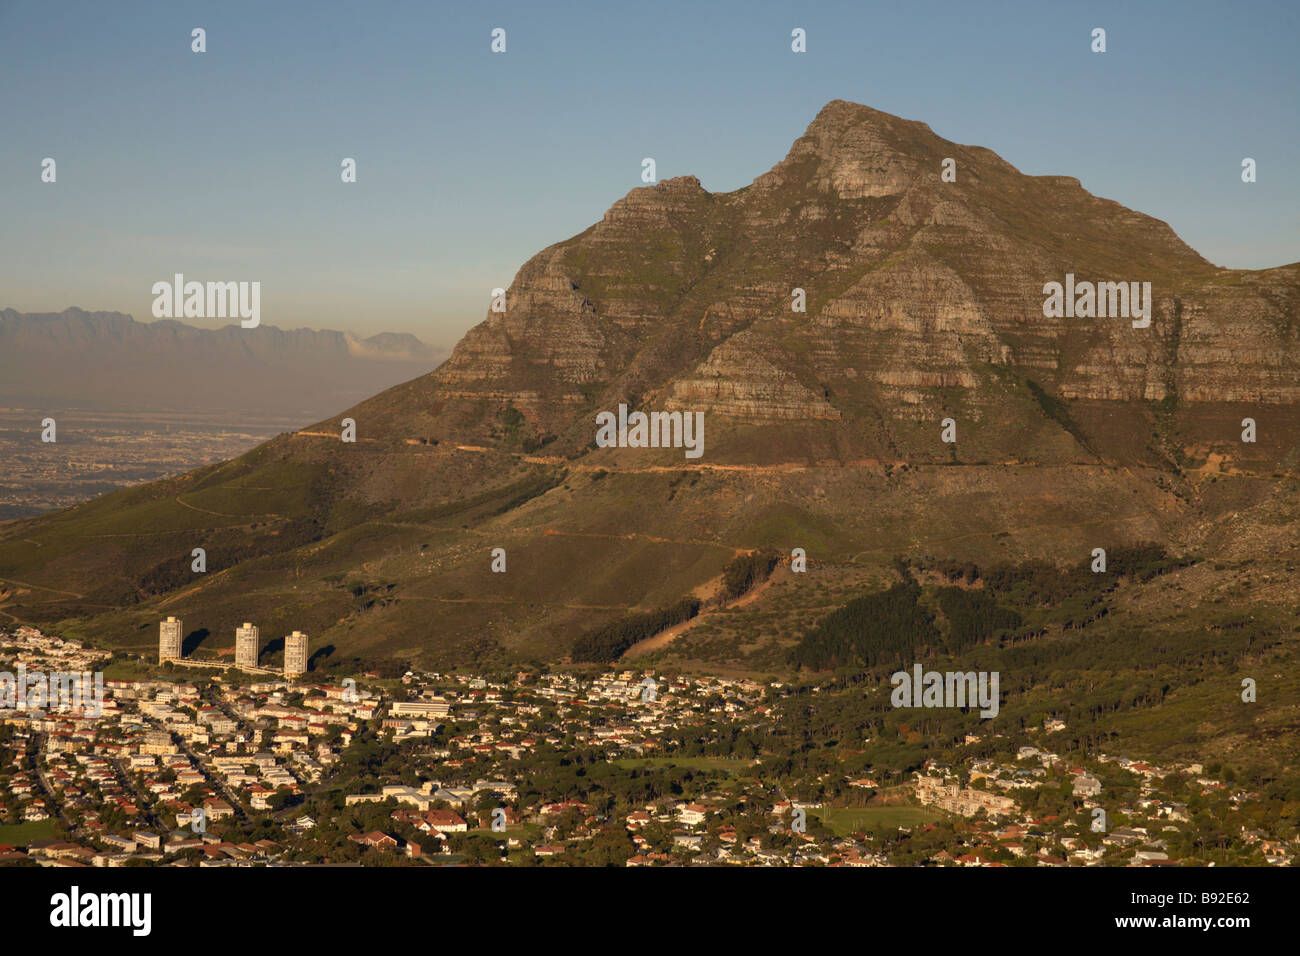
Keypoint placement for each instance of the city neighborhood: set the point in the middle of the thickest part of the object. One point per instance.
(625, 768)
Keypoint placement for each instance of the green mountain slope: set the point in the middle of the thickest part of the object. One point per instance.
(822, 428)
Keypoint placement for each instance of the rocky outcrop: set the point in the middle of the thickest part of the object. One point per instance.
(738, 381)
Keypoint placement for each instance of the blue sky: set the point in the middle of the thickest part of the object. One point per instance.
(225, 165)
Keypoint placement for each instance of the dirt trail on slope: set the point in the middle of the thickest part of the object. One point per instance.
(41, 587)
(665, 637)
(687, 465)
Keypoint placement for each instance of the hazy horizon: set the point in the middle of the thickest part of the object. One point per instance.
(212, 325)
(225, 165)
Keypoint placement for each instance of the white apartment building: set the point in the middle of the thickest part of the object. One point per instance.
(247, 644)
(295, 654)
(169, 640)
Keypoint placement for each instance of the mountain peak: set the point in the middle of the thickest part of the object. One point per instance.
(856, 152)
(839, 115)
(823, 324)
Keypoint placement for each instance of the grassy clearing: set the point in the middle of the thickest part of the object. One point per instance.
(21, 834)
(845, 820)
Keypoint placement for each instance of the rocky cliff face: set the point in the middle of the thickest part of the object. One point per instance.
(924, 299)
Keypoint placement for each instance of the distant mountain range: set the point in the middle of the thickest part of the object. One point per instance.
(108, 360)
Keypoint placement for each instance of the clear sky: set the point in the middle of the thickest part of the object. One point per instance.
(225, 165)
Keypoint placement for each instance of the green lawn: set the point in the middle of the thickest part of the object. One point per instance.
(130, 670)
(844, 820)
(20, 834)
